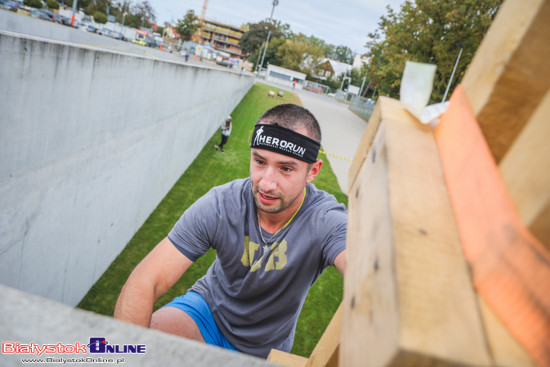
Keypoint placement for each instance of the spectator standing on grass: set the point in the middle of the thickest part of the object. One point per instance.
(274, 233)
(226, 131)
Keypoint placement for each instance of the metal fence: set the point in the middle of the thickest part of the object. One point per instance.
(316, 87)
(343, 96)
(362, 106)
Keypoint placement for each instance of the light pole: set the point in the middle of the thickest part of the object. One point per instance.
(122, 26)
(265, 49)
(362, 84)
(453, 73)
(275, 3)
(74, 11)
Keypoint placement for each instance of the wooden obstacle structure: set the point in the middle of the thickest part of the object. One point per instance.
(448, 260)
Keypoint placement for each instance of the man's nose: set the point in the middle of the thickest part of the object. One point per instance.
(269, 182)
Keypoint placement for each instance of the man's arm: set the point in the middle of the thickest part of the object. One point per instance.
(340, 262)
(153, 277)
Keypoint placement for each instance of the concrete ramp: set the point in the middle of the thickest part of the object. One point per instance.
(27, 319)
(90, 143)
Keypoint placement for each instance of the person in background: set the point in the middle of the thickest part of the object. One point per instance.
(226, 131)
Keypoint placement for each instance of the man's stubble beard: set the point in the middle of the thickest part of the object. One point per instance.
(283, 204)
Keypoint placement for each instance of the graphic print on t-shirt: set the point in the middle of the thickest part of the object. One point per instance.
(278, 250)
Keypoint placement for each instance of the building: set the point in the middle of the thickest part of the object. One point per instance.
(359, 60)
(328, 68)
(222, 37)
(279, 75)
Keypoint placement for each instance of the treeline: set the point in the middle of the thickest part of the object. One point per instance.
(429, 31)
(289, 50)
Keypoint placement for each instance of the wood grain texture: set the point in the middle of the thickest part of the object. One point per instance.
(407, 290)
(510, 72)
(505, 349)
(525, 170)
(510, 268)
(364, 145)
(286, 359)
(327, 349)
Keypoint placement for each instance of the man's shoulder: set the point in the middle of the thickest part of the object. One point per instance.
(235, 186)
(324, 203)
(233, 193)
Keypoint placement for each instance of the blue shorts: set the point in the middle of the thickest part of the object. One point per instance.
(195, 306)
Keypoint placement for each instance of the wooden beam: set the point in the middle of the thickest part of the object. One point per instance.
(525, 170)
(327, 349)
(408, 298)
(505, 349)
(286, 359)
(510, 72)
(510, 268)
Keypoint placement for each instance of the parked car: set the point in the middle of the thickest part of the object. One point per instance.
(104, 32)
(116, 35)
(57, 18)
(9, 5)
(139, 41)
(66, 21)
(47, 12)
(225, 63)
(35, 13)
(91, 28)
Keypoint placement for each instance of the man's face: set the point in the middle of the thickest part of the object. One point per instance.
(278, 180)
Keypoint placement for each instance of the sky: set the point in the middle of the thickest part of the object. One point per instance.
(343, 22)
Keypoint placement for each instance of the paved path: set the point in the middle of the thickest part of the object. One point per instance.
(342, 129)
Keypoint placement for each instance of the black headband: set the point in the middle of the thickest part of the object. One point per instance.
(281, 140)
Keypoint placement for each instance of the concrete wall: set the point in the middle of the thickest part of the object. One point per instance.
(25, 318)
(90, 143)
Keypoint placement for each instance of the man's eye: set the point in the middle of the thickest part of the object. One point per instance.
(287, 169)
(259, 162)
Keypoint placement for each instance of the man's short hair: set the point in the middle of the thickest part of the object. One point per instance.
(293, 117)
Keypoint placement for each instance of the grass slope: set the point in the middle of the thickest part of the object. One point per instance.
(209, 169)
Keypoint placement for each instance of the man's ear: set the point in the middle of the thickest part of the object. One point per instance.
(314, 171)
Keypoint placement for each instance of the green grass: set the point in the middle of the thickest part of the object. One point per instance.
(209, 169)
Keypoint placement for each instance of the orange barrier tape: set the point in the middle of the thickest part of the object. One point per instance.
(510, 267)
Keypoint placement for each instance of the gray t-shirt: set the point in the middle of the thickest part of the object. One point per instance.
(256, 297)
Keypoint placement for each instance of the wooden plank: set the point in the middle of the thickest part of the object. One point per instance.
(525, 170)
(510, 268)
(364, 145)
(510, 72)
(286, 359)
(327, 349)
(506, 351)
(370, 132)
(407, 290)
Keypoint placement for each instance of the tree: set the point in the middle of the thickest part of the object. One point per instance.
(52, 4)
(429, 31)
(144, 12)
(33, 3)
(339, 53)
(257, 33)
(299, 56)
(99, 17)
(95, 6)
(270, 54)
(284, 28)
(160, 30)
(188, 26)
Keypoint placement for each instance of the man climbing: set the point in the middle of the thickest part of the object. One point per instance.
(274, 234)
